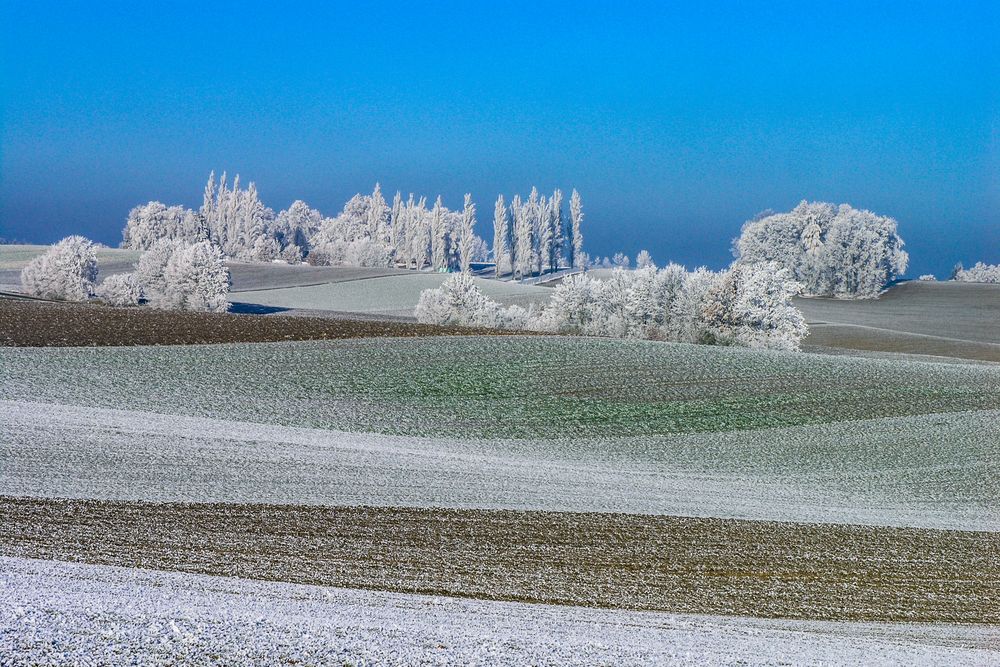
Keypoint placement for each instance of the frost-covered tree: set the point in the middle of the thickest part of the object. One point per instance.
(467, 239)
(151, 271)
(458, 301)
(927, 277)
(197, 279)
(644, 260)
(546, 236)
(523, 237)
(120, 290)
(978, 273)
(378, 217)
(439, 236)
(576, 235)
(295, 228)
(67, 270)
(555, 256)
(420, 228)
(153, 221)
(831, 250)
(501, 237)
(621, 260)
(395, 221)
(367, 253)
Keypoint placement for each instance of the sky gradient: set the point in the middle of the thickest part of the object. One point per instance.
(675, 122)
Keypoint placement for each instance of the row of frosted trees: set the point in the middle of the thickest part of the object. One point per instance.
(531, 235)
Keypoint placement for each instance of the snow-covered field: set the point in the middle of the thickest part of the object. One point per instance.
(932, 471)
(389, 295)
(64, 613)
(13, 258)
(945, 319)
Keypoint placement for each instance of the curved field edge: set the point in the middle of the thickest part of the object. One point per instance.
(933, 471)
(944, 310)
(53, 611)
(497, 387)
(48, 324)
(872, 339)
(394, 294)
(675, 564)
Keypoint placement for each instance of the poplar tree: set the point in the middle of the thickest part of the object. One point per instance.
(468, 234)
(439, 235)
(501, 234)
(556, 220)
(546, 239)
(576, 236)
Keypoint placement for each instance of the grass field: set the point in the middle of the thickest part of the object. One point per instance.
(498, 386)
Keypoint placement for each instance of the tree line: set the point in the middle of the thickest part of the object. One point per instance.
(531, 235)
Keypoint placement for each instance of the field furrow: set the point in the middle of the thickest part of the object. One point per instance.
(712, 566)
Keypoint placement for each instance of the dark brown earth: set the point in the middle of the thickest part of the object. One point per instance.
(32, 323)
(674, 564)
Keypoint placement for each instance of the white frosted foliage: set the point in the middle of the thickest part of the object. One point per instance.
(831, 250)
(121, 289)
(68, 270)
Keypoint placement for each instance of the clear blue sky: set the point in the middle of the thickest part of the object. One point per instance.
(675, 121)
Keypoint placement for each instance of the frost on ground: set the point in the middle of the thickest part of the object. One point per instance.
(497, 387)
(395, 295)
(932, 471)
(54, 613)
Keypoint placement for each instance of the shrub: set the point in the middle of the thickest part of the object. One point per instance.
(121, 289)
(68, 270)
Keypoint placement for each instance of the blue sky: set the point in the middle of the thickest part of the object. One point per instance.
(676, 122)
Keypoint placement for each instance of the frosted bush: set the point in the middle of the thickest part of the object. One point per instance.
(458, 301)
(67, 270)
(749, 306)
(979, 273)
(121, 289)
(928, 277)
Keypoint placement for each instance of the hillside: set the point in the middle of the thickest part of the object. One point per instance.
(946, 319)
(735, 495)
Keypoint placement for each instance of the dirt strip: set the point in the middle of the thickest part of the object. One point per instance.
(46, 324)
(671, 564)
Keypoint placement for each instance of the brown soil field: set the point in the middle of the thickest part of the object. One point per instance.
(28, 323)
(674, 564)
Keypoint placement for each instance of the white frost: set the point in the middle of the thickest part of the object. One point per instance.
(54, 613)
